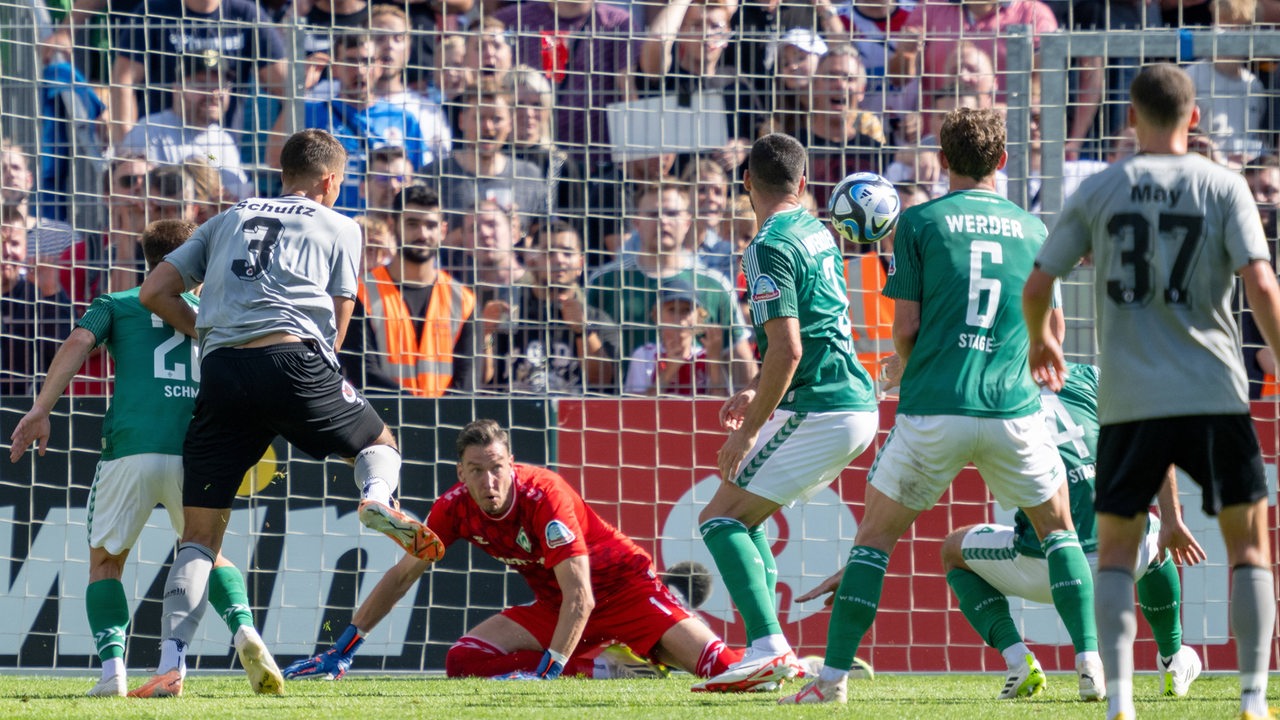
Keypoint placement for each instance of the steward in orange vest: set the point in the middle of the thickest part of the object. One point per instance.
(869, 310)
(416, 321)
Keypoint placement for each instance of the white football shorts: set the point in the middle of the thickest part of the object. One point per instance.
(923, 454)
(989, 552)
(798, 454)
(124, 493)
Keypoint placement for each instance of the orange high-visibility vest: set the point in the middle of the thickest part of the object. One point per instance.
(870, 311)
(423, 365)
(1270, 387)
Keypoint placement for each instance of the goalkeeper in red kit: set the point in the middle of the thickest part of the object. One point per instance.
(593, 586)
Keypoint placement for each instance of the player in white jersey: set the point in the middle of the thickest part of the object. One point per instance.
(280, 279)
(1168, 231)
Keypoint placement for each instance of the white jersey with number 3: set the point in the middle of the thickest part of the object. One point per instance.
(268, 266)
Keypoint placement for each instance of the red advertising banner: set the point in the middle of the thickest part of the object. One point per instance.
(649, 466)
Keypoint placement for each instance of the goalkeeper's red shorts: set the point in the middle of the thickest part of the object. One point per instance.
(638, 613)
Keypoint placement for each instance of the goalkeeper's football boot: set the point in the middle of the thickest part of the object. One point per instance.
(1093, 685)
(167, 684)
(1024, 681)
(113, 686)
(820, 691)
(618, 661)
(417, 539)
(754, 670)
(264, 675)
(1177, 675)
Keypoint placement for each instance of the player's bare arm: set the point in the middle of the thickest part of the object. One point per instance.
(1264, 299)
(576, 603)
(1175, 536)
(343, 307)
(779, 366)
(393, 586)
(731, 412)
(35, 424)
(1048, 366)
(161, 293)
(906, 328)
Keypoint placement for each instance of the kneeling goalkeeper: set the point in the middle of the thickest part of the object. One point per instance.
(592, 585)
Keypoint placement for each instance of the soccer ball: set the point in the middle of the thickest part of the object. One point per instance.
(864, 207)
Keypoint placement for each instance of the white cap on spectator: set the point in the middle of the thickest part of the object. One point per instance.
(805, 39)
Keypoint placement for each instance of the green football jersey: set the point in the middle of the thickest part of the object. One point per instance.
(1072, 415)
(965, 257)
(794, 269)
(630, 296)
(157, 374)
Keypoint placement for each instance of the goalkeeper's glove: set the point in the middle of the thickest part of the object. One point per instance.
(331, 664)
(549, 668)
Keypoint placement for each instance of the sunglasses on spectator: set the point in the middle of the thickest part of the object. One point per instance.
(388, 179)
(133, 182)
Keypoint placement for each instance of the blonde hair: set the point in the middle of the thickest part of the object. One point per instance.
(523, 78)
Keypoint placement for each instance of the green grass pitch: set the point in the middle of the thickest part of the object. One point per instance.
(888, 697)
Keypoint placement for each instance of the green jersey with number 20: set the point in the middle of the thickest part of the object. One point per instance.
(794, 269)
(157, 376)
(965, 257)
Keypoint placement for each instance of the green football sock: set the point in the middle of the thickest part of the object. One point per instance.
(1071, 582)
(743, 570)
(855, 603)
(770, 563)
(986, 609)
(228, 595)
(1160, 597)
(108, 611)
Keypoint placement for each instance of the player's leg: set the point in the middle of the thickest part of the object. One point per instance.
(320, 413)
(977, 558)
(1253, 610)
(1132, 460)
(1020, 464)
(1160, 600)
(511, 641)
(119, 505)
(795, 457)
(1118, 540)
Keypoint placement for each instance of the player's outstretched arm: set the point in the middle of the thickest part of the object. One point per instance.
(34, 426)
(1048, 366)
(779, 366)
(1175, 536)
(577, 600)
(333, 663)
(161, 293)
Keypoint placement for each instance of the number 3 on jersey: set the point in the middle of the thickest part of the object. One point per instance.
(1132, 277)
(263, 234)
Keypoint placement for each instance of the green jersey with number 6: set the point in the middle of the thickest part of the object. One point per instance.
(157, 376)
(964, 258)
(1167, 234)
(794, 269)
(1072, 415)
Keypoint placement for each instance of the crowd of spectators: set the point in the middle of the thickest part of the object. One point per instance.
(518, 239)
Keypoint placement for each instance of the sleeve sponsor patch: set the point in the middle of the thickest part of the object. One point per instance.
(764, 289)
(559, 534)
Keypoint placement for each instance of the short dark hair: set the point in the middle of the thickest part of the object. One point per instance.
(1163, 95)
(348, 40)
(386, 154)
(551, 228)
(309, 155)
(417, 194)
(972, 141)
(483, 433)
(777, 163)
(163, 237)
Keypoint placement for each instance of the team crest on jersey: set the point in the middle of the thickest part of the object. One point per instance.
(559, 534)
(349, 393)
(764, 289)
(523, 541)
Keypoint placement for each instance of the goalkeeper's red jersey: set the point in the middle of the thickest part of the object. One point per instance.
(548, 523)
